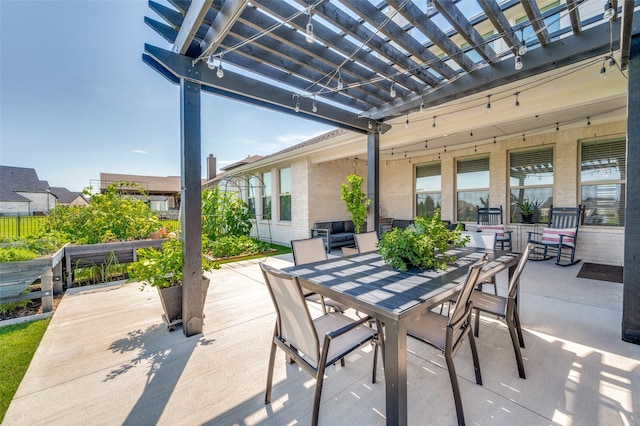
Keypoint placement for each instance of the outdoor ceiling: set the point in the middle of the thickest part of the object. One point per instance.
(370, 62)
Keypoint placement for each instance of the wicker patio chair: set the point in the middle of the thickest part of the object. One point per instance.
(448, 333)
(314, 344)
(506, 308)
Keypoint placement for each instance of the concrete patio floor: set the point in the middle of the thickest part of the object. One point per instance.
(106, 358)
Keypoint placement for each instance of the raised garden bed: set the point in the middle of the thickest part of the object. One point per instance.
(16, 277)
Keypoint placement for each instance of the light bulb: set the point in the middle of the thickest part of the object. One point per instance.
(392, 90)
(309, 35)
(211, 62)
(522, 49)
(608, 11)
(603, 72)
(297, 106)
(488, 103)
(431, 9)
(220, 72)
(369, 125)
(422, 107)
(518, 62)
(340, 83)
(314, 107)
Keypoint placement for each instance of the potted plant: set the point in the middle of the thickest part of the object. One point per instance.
(527, 209)
(162, 269)
(356, 201)
(422, 244)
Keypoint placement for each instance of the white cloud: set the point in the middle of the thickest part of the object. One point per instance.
(139, 151)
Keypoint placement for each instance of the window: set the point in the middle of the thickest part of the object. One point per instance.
(266, 196)
(285, 194)
(531, 178)
(602, 176)
(473, 187)
(251, 195)
(428, 189)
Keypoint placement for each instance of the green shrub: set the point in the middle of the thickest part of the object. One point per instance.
(422, 244)
(162, 268)
(224, 213)
(108, 217)
(234, 246)
(9, 307)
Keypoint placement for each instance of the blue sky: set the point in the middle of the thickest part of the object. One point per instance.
(76, 98)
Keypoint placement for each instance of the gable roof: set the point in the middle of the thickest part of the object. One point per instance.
(64, 195)
(164, 184)
(19, 179)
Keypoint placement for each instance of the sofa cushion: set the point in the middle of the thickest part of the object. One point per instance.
(322, 225)
(342, 236)
(348, 226)
(337, 227)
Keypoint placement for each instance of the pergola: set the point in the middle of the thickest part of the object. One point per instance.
(363, 65)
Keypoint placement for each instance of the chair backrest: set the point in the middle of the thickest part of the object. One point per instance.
(515, 278)
(489, 215)
(366, 241)
(481, 239)
(294, 323)
(308, 250)
(467, 288)
(564, 217)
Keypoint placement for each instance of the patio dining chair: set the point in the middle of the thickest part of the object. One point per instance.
(311, 250)
(448, 333)
(366, 242)
(483, 240)
(506, 308)
(558, 240)
(313, 344)
(490, 220)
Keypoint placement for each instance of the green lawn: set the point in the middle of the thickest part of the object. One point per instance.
(18, 343)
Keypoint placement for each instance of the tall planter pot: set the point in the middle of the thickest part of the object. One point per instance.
(171, 299)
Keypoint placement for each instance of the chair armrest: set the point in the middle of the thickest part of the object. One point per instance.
(530, 233)
(508, 232)
(320, 232)
(335, 333)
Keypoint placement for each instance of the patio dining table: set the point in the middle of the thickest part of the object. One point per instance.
(368, 284)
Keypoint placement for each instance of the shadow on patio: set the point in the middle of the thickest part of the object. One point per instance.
(106, 358)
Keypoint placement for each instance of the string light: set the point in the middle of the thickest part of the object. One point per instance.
(297, 104)
(434, 121)
(314, 107)
(494, 139)
(603, 70)
(431, 8)
(588, 121)
(557, 126)
(523, 138)
(211, 62)
(309, 36)
(369, 125)
(488, 103)
(220, 72)
(523, 44)
(426, 143)
(608, 11)
(340, 82)
(422, 106)
(406, 123)
(517, 104)
(392, 90)
(518, 63)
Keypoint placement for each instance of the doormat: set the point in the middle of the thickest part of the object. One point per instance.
(597, 271)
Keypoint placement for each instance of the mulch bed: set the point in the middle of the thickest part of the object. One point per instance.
(597, 271)
(33, 308)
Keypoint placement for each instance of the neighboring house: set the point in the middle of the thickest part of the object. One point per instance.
(68, 198)
(23, 193)
(163, 193)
